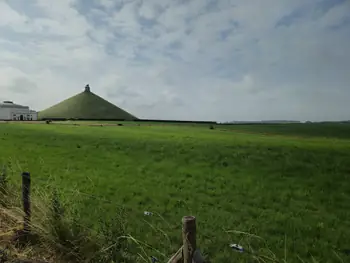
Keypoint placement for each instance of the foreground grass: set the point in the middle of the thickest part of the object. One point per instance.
(292, 192)
(57, 233)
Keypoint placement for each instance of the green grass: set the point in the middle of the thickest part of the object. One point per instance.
(330, 130)
(291, 189)
(85, 105)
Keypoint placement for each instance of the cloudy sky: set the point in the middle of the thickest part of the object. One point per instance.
(181, 59)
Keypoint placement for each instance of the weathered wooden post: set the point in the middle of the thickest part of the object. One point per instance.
(189, 238)
(188, 253)
(26, 201)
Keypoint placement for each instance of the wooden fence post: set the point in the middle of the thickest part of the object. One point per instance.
(188, 238)
(188, 253)
(26, 201)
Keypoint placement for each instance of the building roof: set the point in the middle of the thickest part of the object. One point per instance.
(10, 104)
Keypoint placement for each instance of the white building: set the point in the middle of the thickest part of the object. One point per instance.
(11, 111)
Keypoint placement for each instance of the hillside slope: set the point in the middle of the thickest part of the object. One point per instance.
(86, 105)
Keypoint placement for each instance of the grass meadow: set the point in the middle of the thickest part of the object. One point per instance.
(281, 191)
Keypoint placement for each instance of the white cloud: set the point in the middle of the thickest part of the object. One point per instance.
(9, 16)
(221, 60)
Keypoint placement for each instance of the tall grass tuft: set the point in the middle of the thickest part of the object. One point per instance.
(3, 186)
(58, 231)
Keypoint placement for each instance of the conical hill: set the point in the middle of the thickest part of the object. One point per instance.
(86, 106)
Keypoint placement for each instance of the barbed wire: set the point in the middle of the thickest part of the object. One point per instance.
(49, 183)
(53, 185)
(147, 214)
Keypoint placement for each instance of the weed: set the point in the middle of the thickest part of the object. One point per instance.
(3, 181)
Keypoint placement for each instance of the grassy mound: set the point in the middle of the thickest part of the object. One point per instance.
(85, 105)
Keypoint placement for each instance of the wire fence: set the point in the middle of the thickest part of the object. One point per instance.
(158, 231)
(159, 243)
(159, 248)
(43, 197)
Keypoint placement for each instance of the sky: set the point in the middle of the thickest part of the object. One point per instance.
(219, 60)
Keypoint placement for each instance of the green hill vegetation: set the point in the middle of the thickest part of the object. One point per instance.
(86, 105)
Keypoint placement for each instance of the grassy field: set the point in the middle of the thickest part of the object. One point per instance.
(325, 130)
(290, 187)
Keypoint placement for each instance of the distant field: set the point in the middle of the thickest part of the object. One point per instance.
(291, 187)
(330, 130)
